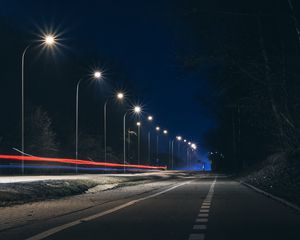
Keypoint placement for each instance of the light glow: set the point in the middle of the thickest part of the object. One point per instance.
(165, 131)
(150, 118)
(157, 128)
(138, 124)
(120, 95)
(49, 40)
(137, 109)
(179, 138)
(97, 74)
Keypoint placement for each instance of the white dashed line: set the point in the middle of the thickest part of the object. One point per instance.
(200, 227)
(205, 206)
(203, 215)
(200, 236)
(202, 220)
(204, 210)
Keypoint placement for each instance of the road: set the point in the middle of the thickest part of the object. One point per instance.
(188, 207)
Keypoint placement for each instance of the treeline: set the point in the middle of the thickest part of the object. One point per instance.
(252, 52)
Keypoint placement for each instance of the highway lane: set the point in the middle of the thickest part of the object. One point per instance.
(185, 208)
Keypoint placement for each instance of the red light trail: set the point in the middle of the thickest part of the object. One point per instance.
(78, 162)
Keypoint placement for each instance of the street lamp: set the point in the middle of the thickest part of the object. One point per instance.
(157, 140)
(139, 143)
(97, 75)
(119, 96)
(193, 146)
(179, 139)
(150, 119)
(48, 41)
(136, 110)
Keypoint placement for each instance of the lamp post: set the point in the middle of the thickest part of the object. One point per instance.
(188, 152)
(139, 141)
(136, 110)
(165, 132)
(119, 96)
(97, 75)
(172, 153)
(178, 138)
(194, 148)
(157, 141)
(48, 41)
(150, 119)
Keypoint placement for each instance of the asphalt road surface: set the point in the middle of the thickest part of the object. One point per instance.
(192, 206)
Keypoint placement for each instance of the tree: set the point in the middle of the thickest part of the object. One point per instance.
(40, 138)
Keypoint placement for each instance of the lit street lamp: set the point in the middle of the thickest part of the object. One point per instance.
(97, 75)
(48, 41)
(136, 110)
(119, 96)
(179, 138)
(139, 141)
(157, 141)
(150, 119)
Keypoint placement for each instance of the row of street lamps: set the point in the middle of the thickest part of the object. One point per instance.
(49, 41)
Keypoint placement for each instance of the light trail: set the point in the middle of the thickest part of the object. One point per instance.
(78, 162)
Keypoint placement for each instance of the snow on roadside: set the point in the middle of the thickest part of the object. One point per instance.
(24, 189)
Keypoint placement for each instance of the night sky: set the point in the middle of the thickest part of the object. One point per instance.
(145, 39)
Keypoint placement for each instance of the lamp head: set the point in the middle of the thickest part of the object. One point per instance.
(97, 74)
(120, 95)
(137, 109)
(49, 40)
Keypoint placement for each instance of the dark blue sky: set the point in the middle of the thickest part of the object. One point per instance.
(145, 38)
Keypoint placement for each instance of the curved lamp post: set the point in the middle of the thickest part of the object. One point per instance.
(150, 119)
(97, 75)
(139, 141)
(48, 40)
(119, 96)
(136, 110)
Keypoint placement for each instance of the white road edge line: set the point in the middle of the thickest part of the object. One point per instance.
(285, 202)
(57, 229)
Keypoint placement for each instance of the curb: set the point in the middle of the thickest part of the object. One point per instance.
(291, 205)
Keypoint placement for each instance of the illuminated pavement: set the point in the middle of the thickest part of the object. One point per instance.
(189, 207)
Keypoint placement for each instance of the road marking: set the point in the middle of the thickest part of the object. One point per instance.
(200, 227)
(203, 215)
(197, 236)
(204, 210)
(60, 228)
(202, 220)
